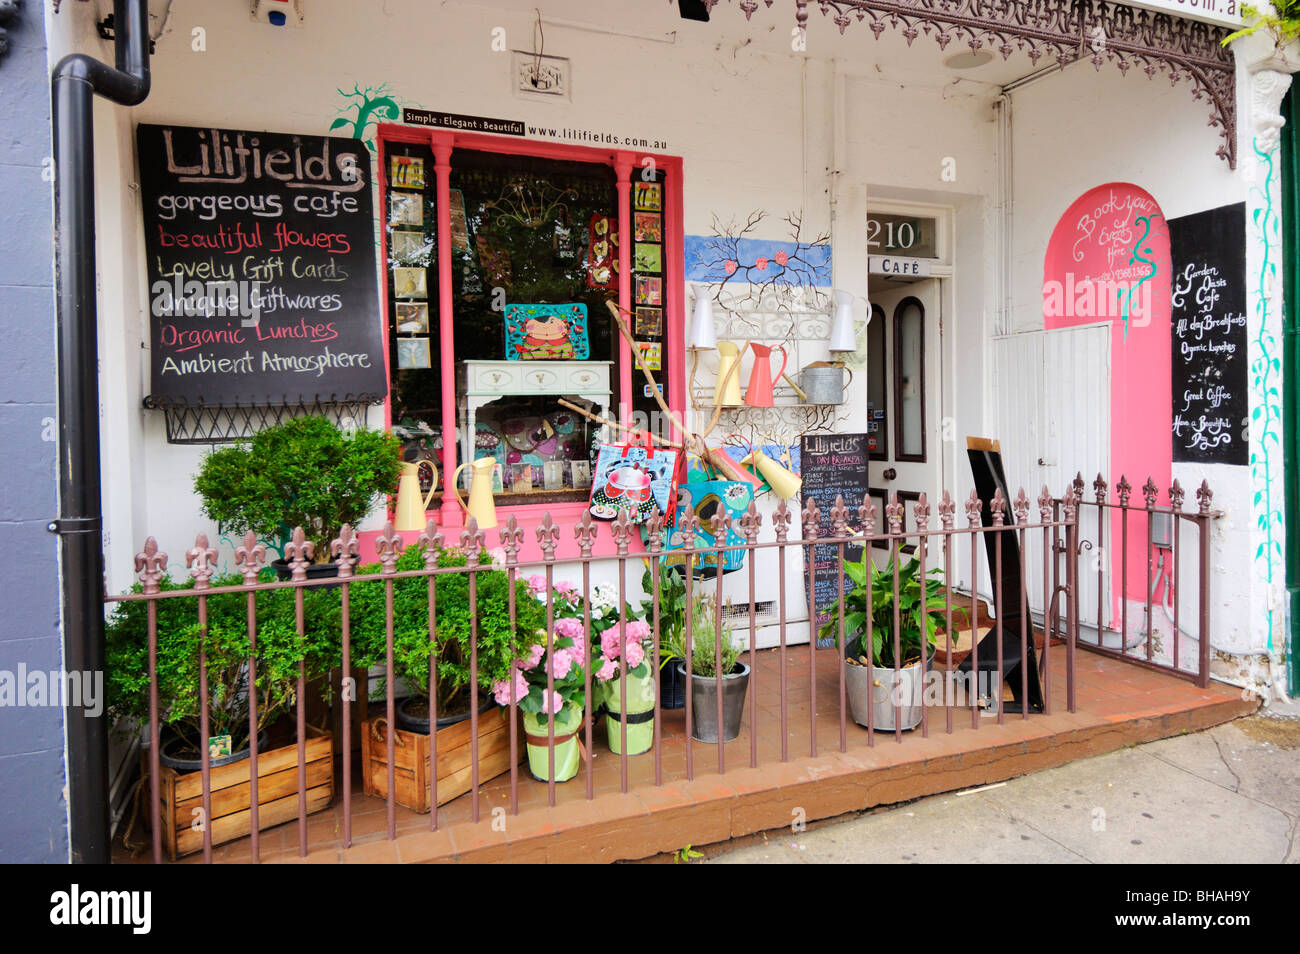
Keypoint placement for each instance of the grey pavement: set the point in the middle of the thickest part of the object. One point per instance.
(1228, 795)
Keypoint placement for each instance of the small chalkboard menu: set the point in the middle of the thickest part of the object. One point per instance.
(261, 265)
(831, 465)
(1208, 312)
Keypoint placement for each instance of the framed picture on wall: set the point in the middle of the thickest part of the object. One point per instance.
(412, 318)
(647, 257)
(649, 196)
(405, 208)
(648, 227)
(407, 247)
(410, 283)
(649, 321)
(413, 353)
(406, 172)
(649, 291)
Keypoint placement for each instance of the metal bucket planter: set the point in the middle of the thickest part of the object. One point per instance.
(871, 689)
(568, 754)
(824, 383)
(640, 715)
(704, 703)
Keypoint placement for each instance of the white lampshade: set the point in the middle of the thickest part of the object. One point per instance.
(843, 334)
(704, 334)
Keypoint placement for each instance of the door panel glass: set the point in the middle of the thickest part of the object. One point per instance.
(877, 413)
(909, 380)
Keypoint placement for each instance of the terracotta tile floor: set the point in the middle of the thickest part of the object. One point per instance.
(1111, 695)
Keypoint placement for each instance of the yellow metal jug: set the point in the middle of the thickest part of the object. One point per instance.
(727, 390)
(408, 513)
(482, 506)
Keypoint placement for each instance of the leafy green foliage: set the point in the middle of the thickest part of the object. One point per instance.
(498, 643)
(704, 639)
(305, 472)
(1283, 21)
(279, 649)
(920, 608)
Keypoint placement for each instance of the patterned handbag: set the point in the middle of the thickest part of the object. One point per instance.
(636, 477)
(707, 497)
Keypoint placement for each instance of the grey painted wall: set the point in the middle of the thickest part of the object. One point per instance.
(33, 809)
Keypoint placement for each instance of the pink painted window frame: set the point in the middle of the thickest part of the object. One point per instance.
(626, 164)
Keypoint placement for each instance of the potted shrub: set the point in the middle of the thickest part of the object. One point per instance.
(870, 677)
(279, 648)
(705, 679)
(304, 473)
(499, 645)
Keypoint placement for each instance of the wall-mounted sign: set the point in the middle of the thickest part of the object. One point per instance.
(261, 266)
(1225, 12)
(912, 235)
(898, 266)
(1209, 336)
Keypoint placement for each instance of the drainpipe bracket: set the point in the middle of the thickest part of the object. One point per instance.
(75, 525)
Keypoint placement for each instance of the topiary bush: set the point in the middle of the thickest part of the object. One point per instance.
(305, 472)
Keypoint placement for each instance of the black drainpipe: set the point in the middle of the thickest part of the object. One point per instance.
(77, 78)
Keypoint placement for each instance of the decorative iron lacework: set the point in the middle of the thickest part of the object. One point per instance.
(219, 424)
(1061, 29)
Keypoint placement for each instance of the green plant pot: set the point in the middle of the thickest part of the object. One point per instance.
(639, 717)
(568, 754)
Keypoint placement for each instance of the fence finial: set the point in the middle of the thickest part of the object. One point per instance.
(947, 510)
(1045, 505)
(1150, 491)
(973, 508)
(781, 518)
(202, 561)
(250, 555)
(867, 515)
(389, 546)
(344, 548)
(472, 540)
(998, 507)
(1099, 488)
(750, 522)
(621, 531)
(585, 533)
(811, 519)
(1176, 495)
(1076, 489)
(921, 512)
(151, 565)
(894, 513)
(431, 540)
(298, 551)
(1021, 507)
(1124, 490)
(1204, 497)
(689, 525)
(512, 539)
(1071, 504)
(839, 517)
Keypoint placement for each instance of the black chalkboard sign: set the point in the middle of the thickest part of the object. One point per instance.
(261, 265)
(1209, 335)
(831, 465)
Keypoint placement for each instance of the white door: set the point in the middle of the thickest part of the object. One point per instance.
(904, 395)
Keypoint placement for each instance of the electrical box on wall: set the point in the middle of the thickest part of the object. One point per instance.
(278, 12)
(548, 76)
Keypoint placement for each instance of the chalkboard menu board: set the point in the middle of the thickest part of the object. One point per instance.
(261, 265)
(831, 465)
(1209, 336)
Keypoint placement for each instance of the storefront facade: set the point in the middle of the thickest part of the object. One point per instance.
(941, 197)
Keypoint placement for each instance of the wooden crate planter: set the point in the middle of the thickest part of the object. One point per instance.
(411, 758)
(277, 794)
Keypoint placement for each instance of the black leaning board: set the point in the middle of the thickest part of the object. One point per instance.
(1208, 317)
(292, 212)
(831, 465)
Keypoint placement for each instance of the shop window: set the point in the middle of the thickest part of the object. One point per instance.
(534, 256)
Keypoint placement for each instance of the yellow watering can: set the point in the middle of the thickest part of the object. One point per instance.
(783, 483)
(482, 507)
(408, 514)
(727, 390)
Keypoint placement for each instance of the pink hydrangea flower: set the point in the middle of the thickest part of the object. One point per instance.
(638, 630)
(761, 263)
(537, 584)
(609, 643)
(556, 702)
(781, 258)
(608, 670)
(561, 663)
(567, 591)
(569, 627)
(501, 690)
(730, 267)
(533, 658)
(634, 654)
